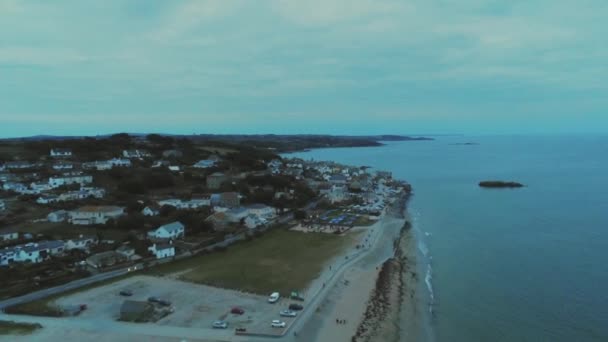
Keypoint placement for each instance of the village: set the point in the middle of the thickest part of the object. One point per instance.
(65, 217)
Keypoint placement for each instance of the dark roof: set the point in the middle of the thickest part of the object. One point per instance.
(135, 307)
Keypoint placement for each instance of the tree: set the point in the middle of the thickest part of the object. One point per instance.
(299, 214)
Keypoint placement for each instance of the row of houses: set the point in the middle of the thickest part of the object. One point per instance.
(87, 215)
(106, 164)
(83, 193)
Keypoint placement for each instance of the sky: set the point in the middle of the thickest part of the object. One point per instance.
(303, 66)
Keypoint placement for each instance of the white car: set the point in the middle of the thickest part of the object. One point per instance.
(274, 297)
(220, 325)
(278, 324)
(288, 313)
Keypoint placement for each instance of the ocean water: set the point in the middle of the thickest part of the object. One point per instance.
(526, 264)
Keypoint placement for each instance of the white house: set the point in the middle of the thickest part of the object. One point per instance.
(253, 221)
(150, 211)
(82, 243)
(16, 187)
(7, 235)
(118, 162)
(97, 165)
(174, 168)
(40, 187)
(57, 216)
(63, 166)
(46, 199)
(31, 252)
(2, 205)
(204, 164)
(168, 231)
(70, 179)
(162, 250)
(237, 214)
(94, 215)
(194, 203)
(19, 165)
(135, 154)
(262, 210)
(61, 152)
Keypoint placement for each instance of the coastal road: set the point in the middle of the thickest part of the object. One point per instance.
(65, 287)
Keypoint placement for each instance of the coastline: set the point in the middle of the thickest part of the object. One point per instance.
(377, 297)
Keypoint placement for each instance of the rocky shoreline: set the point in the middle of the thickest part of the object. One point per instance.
(395, 285)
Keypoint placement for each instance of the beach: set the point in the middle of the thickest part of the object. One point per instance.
(373, 295)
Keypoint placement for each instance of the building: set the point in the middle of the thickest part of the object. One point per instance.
(136, 311)
(40, 187)
(31, 252)
(47, 199)
(338, 179)
(97, 165)
(230, 199)
(61, 152)
(172, 154)
(151, 210)
(262, 210)
(2, 205)
(105, 259)
(57, 216)
(215, 180)
(204, 164)
(69, 179)
(19, 165)
(253, 221)
(82, 243)
(94, 215)
(219, 220)
(16, 187)
(127, 251)
(63, 166)
(235, 215)
(139, 154)
(384, 174)
(118, 162)
(8, 235)
(194, 203)
(173, 230)
(162, 250)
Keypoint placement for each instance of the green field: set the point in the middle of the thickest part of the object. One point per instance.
(14, 328)
(278, 261)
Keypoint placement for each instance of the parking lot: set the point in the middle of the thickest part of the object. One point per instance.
(195, 306)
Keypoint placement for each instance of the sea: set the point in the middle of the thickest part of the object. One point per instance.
(527, 264)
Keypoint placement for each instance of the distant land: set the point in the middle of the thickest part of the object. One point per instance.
(279, 143)
(465, 144)
(500, 184)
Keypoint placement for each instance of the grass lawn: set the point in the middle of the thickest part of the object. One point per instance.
(14, 328)
(278, 261)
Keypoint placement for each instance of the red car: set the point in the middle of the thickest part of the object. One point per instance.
(237, 311)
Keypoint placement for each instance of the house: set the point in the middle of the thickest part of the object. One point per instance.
(219, 220)
(61, 152)
(338, 179)
(89, 215)
(19, 165)
(82, 243)
(127, 251)
(57, 216)
(337, 194)
(83, 193)
(46, 199)
(139, 154)
(2, 205)
(63, 166)
(8, 235)
(136, 311)
(160, 163)
(31, 252)
(162, 250)
(253, 221)
(204, 164)
(172, 202)
(215, 180)
(235, 215)
(194, 203)
(174, 168)
(172, 154)
(262, 210)
(118, 162)
(68, 179)
(16, 187)
(151, 210)
(230, 199)
(172, 230)
(105, 259)
(40, 187)
(98, 165)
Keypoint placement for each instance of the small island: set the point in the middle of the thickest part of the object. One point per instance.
(500, 184)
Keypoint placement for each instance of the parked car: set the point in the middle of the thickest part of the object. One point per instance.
(220, 325)
(274, 297)
(154, 300)
(296, 307)
(288, 313)
(278, 324)
(237, 311)
(240, 329)
(126, 293)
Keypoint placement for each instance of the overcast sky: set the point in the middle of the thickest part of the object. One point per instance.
(303, 66)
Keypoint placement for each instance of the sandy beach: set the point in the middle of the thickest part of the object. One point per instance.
(365, 304)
